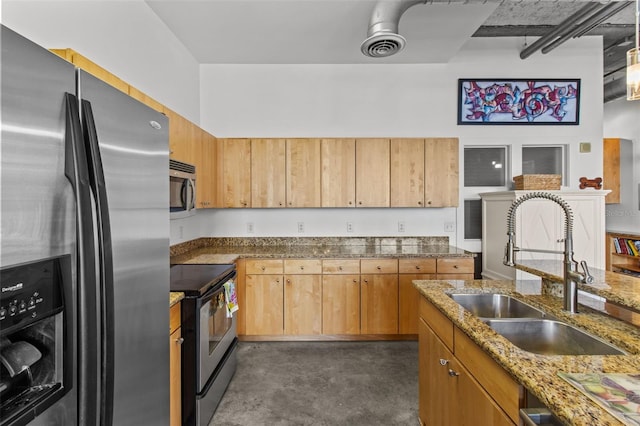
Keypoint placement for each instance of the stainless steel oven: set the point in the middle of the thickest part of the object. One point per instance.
(210, 338)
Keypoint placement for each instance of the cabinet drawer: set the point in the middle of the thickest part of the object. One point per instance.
(460, 265)
(302, 266)
(264, 266)
(439, 323)
(174, 317)
(494, 379)
(417, 266)
(379, 266)
(341, 266)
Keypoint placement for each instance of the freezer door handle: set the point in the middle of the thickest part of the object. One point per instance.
(106, 281)
(77, 172)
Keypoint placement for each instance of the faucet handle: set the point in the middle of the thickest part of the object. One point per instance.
(588, 278)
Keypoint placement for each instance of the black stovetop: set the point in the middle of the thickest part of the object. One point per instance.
(196, 279)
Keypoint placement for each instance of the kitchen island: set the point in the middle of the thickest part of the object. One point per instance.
(538, 374)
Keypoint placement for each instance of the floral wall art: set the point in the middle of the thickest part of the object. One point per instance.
(518, 101)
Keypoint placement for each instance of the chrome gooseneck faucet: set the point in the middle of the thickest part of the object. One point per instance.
(571, 275)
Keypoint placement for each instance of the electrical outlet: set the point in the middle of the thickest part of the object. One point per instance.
(301, 227)
(449, 227)
(249, 227)
(349, 227)
(401, 226)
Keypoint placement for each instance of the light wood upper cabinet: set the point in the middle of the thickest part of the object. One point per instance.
(441, 172)
(181, 145)
(235, 173)
(268, 173)
(338, 172)
(407, 172)
(206, 191)
(303, 173)
(373, 172)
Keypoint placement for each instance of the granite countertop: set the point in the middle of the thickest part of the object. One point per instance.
(538, 373)
(175, 297)
(623, 290)
(227, 250)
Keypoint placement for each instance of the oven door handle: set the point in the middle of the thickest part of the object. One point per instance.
(218, 286)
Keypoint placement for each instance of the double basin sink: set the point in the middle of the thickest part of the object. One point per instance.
(530, 328)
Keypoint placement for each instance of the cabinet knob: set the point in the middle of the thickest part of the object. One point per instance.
(277, 280)
(360, 202)
(339, 268)
(455, 266)
(429, 202)
(419, 203)
(444, 361)
(453, 373)
(418, 267)
(302, 268)
(179, 340)
(366, 281)
(350, 202)
(280, 203)
(355, 281)
(288, 281)
(378, 268)
(262, 267)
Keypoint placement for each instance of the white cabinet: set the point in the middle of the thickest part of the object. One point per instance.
(540, 225)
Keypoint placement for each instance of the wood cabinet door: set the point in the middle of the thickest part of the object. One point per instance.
(268, 173)
(408, 301)
(235, 173)
(441, 172)
(181, 146)
(302, 304)
(264, 296)
(175, 381)
(341, 304)
(203, 168)
(379, 304)
(373, 162)
(338, 159)
(303, 173)
(437, 403)
(611, 169)
(407, 172)
(478, 408)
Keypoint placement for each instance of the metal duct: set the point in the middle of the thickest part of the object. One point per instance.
(382, 35)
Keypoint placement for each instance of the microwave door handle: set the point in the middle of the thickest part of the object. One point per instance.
(192, 184)
(183, 195)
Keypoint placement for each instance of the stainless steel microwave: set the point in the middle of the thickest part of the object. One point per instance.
(182, 189)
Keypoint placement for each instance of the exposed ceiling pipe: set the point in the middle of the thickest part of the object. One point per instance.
(558, 30)
(605, 12)
(383, 38)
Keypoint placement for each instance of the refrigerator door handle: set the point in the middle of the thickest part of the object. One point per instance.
(105, 256)
(77, 172)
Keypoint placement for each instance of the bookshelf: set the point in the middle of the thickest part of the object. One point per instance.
(617, 260)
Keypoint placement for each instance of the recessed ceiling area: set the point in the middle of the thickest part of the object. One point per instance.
(331, 31)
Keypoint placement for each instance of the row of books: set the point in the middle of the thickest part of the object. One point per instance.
(627, 246)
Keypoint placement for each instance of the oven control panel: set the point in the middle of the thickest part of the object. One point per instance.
(30, 292)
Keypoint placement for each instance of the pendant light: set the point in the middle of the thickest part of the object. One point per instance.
(633, 64)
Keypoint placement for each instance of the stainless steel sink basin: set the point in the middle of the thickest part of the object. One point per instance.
(496, 306)
(550, 337)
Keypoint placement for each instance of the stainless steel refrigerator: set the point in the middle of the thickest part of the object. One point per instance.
(84, 254)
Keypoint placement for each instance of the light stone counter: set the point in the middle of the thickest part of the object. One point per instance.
(175, 297)
(538, 373)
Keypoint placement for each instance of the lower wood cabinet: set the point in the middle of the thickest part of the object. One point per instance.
(459, 384)
(175, 366)
(334, 297)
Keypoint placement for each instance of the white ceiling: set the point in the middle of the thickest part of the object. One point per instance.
(313, 31)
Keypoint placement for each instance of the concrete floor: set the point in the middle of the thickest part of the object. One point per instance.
(322, 383)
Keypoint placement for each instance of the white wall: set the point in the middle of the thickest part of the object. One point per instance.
(622, 120)
(389, 100)
(125, 37)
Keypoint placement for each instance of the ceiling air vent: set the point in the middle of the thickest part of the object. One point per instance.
(381, 45)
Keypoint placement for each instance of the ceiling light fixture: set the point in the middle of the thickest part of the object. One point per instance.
(633, 64)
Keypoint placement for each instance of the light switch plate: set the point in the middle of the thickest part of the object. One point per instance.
(585, 147)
